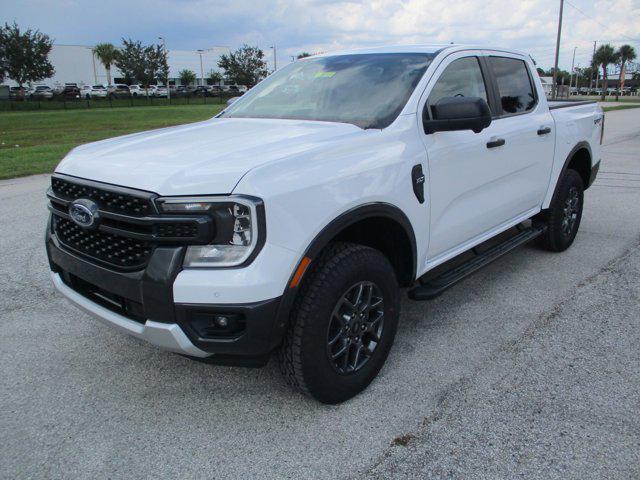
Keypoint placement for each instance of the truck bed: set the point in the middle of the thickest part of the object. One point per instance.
(555, 104)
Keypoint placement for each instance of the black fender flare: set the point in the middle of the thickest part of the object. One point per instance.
(324, 237)
(356, 214)
(578, 146)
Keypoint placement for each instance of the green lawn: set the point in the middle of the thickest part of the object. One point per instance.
(619, 107)
(34, 142)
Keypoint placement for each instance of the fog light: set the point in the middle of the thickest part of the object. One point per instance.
(213, 324)
(222, 322)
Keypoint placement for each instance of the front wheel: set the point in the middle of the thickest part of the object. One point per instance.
(343, 323)
(564, 214)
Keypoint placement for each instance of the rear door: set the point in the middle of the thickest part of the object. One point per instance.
(527, 127)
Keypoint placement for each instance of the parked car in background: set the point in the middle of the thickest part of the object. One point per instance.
(70, 92)
(17, 93)
(201, 91)
(234, 88)
(41, 92)
(216, 90)
(180, 91)
(93, 91)
(118, 90)
(139, 90)
(160, 91)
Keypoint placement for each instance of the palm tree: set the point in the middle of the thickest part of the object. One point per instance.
(106, 53)
(605, 56)
(626, 54)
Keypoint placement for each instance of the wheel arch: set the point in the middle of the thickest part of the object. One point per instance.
(378, 225)
(580, 159)
(353, 226)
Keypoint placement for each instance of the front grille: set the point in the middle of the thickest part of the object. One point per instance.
(126, 228)
(112, 200)
(176, 230)
(123, 252)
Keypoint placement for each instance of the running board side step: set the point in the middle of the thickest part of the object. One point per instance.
(436, 286)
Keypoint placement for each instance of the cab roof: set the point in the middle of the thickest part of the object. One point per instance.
(426, 48)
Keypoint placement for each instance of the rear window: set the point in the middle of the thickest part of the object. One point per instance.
(514, 84)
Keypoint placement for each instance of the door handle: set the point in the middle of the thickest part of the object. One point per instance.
(544, 131)
(498, 142)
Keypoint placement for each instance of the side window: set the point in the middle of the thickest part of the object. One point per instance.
(462, 78)
(514, 84)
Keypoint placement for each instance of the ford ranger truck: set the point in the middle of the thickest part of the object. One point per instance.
(290, 222)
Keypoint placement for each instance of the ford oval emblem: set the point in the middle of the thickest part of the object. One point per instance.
(84, 212)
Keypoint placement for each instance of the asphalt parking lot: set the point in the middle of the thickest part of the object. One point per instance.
(529, 368)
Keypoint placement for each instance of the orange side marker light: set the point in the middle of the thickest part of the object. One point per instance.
(302, 267)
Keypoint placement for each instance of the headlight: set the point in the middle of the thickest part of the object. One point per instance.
(236, 232)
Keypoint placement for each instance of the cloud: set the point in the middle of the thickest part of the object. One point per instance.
(316, 25)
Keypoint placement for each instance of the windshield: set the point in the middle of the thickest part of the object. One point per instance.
(367, 90)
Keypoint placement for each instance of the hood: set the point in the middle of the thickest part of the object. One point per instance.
(207, 157)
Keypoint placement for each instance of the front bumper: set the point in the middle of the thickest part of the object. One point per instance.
(141, 304)
(168, 336)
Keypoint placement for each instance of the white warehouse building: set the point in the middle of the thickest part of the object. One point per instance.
(77, 64)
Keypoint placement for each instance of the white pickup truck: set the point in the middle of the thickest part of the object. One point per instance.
(289, 222)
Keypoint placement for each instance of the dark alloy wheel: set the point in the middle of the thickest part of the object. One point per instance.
(355, 328)
(571, 212)
(343, 323)
(564, 214)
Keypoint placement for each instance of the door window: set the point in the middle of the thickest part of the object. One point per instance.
(462, 78)
(514, 84)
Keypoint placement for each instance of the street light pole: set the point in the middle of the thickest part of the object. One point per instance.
(275, 58)
(573, 61)
(554, 88)
(200, 52)
(592, 66)
(164, 47)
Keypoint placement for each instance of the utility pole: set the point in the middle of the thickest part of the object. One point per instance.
(164, 47)
(573, 61)
(554, 87)
(275, 58)
(200, 52)
(593, 67)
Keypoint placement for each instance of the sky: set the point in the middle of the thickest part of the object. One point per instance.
(294, 26)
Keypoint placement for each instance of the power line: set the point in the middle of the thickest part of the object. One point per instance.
(599, 22)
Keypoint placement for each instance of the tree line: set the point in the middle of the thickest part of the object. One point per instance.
(24, 58)
(605, 57)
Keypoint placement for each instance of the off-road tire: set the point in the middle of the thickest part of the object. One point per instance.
(303, 356)
(557, 238)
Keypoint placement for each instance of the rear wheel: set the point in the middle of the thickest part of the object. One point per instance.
(564, 214)
(343, 323)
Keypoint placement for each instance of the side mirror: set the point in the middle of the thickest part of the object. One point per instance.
(457, 113)
(232, 100)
